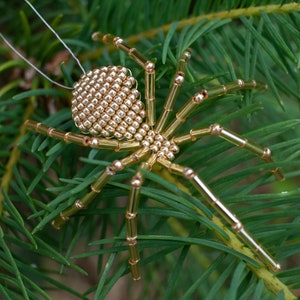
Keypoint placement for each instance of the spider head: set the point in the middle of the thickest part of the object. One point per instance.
(107, 103)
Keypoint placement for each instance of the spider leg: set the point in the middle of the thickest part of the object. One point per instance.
(206, 94)
(232, 137)
(235, 223)
(174, 91)
(96, 187)
(147, 65)
(131, 225)
(82, 140)
(131, 217)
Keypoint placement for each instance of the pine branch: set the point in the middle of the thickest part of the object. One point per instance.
(183, 243)
(222, 15)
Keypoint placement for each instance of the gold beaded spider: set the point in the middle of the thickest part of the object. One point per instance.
(108, 109)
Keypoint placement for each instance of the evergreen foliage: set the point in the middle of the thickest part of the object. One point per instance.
(186, 251)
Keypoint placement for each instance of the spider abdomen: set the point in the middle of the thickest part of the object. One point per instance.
(106, 103)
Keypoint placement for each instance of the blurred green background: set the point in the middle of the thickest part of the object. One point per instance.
(185, 255)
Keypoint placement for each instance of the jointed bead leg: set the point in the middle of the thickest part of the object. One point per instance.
(174, 91)
(206, 94)
(96, 187)
(230, 136)
(235, 223)
(79, 204)
(82, 140)
(147, 65)
(131, 224)
(131, 217)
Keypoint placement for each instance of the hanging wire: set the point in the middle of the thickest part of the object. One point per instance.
(57, 36)
(31, 64)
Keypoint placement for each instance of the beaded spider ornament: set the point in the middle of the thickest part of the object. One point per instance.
(110, 112)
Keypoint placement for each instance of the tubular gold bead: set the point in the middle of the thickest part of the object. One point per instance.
(133, 251)
(131, 224)
(135, 271)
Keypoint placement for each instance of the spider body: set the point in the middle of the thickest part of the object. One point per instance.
(108, 109)
(107, 104)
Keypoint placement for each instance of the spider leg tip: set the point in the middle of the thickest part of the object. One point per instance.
(55, 225)
(96, 36)
(277, 267)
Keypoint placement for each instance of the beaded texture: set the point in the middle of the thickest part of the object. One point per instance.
(106, 103)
